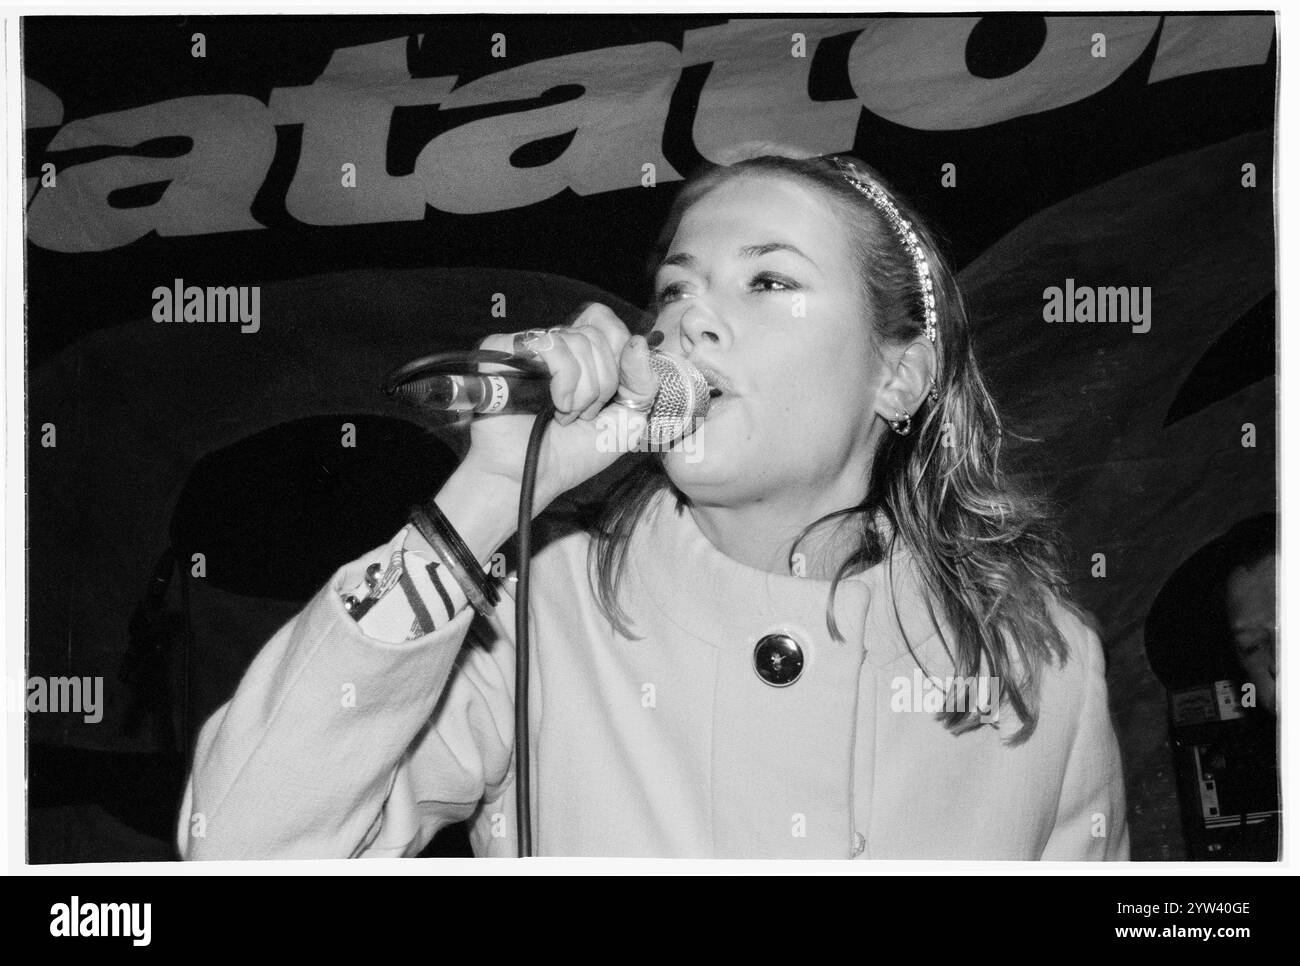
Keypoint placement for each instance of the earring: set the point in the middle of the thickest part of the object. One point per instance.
(902, 424)
(934, 392)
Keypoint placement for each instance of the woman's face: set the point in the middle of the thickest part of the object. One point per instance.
(759, 289)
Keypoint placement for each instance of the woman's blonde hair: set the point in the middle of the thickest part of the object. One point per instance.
(983, 547)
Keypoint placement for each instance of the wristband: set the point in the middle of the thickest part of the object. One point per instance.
(455, 556)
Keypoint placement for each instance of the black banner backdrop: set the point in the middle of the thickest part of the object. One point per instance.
(381, 181)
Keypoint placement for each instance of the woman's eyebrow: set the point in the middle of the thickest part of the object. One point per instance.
(754, 251)
(688, 261)
(682, 259)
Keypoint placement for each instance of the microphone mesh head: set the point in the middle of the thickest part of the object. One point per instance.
(683, 400)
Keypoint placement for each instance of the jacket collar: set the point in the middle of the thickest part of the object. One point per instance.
(708, 595)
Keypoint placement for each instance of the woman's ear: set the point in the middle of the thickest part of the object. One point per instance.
(908, 382)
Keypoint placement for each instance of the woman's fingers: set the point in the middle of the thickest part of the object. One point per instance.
(587, 388)
(608, 336)
(634, 380)
(603, 335)
(602, 319)
(638, 382)
(604, 372)
(585, 359)
(564, 366)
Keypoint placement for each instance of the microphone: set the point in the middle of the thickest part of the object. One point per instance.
(680, 404)
(447, 382)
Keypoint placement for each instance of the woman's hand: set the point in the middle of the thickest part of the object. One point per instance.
(590, 360)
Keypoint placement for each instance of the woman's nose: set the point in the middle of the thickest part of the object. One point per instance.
(699, 325)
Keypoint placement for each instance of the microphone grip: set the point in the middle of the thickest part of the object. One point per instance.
(491, 393)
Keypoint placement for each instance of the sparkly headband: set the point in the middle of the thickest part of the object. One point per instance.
(903, 228)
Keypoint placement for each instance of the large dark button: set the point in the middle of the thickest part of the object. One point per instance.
(778, 659)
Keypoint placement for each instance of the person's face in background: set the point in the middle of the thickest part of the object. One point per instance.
(1252, 619)
(760, 286)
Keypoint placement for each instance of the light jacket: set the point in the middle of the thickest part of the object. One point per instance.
(665, 744)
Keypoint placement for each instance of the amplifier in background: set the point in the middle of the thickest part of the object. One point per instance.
(1226, 761)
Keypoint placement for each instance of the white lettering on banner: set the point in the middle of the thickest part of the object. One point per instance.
(1190, 45)
(1061, 73)
(44, 109)
(909, 70)
(617, 125)
(209, 189)
(757, 92)
(346, 115)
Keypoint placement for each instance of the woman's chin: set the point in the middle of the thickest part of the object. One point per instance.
(712, 455)
(698, 459)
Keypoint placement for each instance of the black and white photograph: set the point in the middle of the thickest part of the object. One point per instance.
(629, 435)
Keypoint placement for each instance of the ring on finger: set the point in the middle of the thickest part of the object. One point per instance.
(636, 407)
(531, 342)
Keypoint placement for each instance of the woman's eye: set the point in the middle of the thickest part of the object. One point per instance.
(669, 293)
(767, 282)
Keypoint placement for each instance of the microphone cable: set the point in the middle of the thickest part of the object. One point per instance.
(405, 384)
(523, 804)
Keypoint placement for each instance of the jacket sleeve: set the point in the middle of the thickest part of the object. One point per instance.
(1090, 820)
(336, 744)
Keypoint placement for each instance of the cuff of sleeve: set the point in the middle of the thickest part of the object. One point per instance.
(411, 595)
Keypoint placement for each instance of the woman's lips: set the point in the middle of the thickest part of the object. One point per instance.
(718, 383)
(720, 388)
